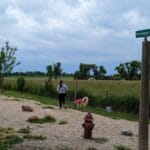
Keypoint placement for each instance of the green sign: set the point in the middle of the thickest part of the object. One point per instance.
(143, 33)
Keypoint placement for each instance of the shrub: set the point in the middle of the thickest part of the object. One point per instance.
(10, 85)
(34, 88)
(123, 103)
(49, 89)
(21, 83)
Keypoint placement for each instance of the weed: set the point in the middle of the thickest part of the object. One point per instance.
(64, 147)
(91, 148)
(34, 137)
(121, 147)
(24, 130)
(48, 107)
(62, 122)
(4, 132)
(21, 83)
(10, 140)
(13, 139)
(100, 140)
(46, 119)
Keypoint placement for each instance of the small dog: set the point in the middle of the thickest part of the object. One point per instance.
(85, 101)
(82, 101)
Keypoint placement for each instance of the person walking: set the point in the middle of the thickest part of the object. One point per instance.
(61, 90)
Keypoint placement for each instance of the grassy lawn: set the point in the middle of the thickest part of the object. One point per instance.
(50, 101)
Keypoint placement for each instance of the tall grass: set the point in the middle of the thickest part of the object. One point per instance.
(121, 95)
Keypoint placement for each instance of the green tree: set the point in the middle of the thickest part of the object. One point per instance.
(135, 71)
(102, 72)
(57, 70)
(85, 69)
(77, 75)
(50, 73)
(48, 83)
(129, 70)
(121, 71)
(96, 73)
(7, 60)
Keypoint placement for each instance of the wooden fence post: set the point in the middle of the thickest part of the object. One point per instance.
(144, 99)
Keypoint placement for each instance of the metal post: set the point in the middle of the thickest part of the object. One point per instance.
(144, 99)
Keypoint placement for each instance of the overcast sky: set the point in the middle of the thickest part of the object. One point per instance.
(100, 32)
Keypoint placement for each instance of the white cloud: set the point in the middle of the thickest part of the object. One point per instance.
(97, 30)
(23, 20)
(135, 18)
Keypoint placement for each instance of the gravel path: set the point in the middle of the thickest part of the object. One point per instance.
(68, 135)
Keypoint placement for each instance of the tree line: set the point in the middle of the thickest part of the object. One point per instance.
(129, 70)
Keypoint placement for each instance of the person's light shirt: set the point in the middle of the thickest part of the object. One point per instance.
(62, 90)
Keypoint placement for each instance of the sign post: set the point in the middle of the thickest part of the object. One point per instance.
(144, 99)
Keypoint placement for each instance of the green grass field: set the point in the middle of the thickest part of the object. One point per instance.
(97, 88)
(121, 95)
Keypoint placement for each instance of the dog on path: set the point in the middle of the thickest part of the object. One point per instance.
(81, 102)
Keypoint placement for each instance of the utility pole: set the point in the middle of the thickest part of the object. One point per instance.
(144, 99)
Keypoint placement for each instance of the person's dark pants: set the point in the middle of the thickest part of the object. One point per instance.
(61, 100)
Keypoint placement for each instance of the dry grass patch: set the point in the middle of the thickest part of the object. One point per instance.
(34, 137)
(121, 147)
(46, 119)
(91, 148)
(63, 147)
(24, 130)
(100, 140)
(7, 140)
(62, 122)
(48, 107)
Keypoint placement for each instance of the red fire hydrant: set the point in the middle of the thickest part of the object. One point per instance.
(88, 126)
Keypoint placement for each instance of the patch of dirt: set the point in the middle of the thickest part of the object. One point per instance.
(68, 135)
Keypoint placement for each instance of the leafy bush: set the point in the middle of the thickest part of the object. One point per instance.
(123, 103)
(49, 89)
(21, 83)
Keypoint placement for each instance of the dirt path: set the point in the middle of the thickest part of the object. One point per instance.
(69, 135)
